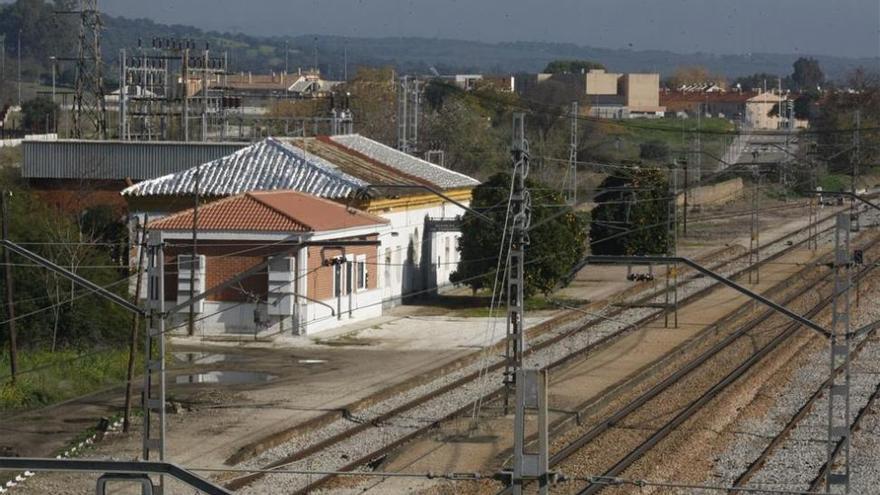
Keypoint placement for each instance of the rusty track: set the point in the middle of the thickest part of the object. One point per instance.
(694, 406)
(243, 481)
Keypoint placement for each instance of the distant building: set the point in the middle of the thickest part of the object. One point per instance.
(469, 82)
(620, 96)
(260, 89)
(752, 110)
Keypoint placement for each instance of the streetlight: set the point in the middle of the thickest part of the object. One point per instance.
(19, 68)
(54, 61)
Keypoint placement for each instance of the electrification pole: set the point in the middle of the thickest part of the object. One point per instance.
(154, 355)
(520, 204)
(530, 384)
(838, 465)
(754, 234)
(572, 156)
(402, 120)
(854, 207)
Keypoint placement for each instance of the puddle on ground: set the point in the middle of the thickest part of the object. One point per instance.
(226, 377)
(311, 361)
(203, 357)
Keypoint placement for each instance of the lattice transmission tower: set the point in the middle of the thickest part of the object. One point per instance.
(89, 110)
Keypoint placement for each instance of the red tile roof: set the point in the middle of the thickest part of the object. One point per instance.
(270, 211)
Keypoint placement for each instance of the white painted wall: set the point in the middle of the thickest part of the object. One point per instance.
(234, 319)
(411, 264)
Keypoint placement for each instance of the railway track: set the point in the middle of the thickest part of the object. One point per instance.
(705, 217)
(803, 411)
(688, 410)
(337, 448)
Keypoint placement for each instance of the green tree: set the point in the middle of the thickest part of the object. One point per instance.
(60, 313)
(554, 248)
(38, 114)
(571, 66)
(373, 96)
(834, 122)
(807, 74)
(631, 213)
(465, 133)
(757, 81)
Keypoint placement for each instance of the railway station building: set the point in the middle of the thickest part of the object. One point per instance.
(421, 202)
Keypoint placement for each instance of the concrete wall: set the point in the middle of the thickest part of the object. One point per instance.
(757, 109)
(641, 90)
(599, 82)
(714, 194)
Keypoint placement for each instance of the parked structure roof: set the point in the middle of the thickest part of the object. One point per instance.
(330, 167)
(423, 169)
(264, 166)
(270, 211)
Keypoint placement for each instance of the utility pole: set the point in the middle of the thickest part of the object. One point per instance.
(184, 73)
(520, 204)
(754, 234)
(154, 355)
(530, 384)
(856, 157)
(572, 156)
(191, 321)
(136, 320)
(19, 68)
(205, 98)
(838, 469)
(684, 211)
(402, 120)
(698, 171)
(345, 62)
(813, 231)
(671, 248)
(10, 290)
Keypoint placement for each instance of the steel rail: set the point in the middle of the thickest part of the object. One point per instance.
(698, 403)
(756, 465)
(240, 482)
(864, 411)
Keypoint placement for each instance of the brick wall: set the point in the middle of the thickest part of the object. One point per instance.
(225, 259)
(320, 281)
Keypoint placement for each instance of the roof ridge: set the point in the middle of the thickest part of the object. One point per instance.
(252, 196)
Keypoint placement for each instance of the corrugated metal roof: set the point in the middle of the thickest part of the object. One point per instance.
(264, 166)
(83, 159)
(423, 169)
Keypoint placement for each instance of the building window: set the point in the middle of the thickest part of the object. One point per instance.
(349, 277)
(362, 274)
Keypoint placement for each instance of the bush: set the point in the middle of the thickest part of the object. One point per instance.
(654, 150)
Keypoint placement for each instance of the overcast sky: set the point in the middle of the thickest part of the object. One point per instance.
(831, 27)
